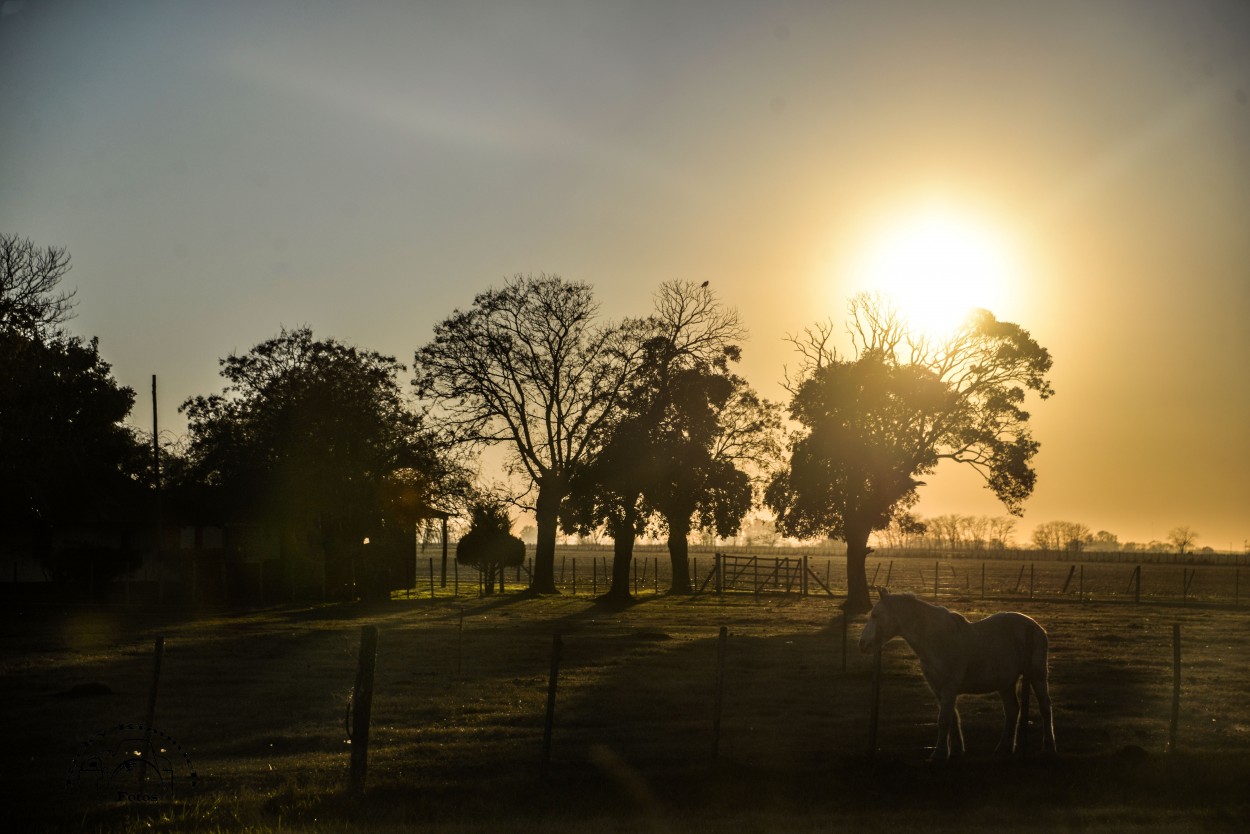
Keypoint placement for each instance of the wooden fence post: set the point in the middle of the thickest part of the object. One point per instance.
(552, 683)
(1176, 686)
(937, 578)
(718, 690)
(362, 706)
(431, 577)
(158, 654)
(1068, 581)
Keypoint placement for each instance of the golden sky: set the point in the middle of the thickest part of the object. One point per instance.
(219, 170)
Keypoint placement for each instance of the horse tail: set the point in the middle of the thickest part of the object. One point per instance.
(1037, 664)
(1035, 649)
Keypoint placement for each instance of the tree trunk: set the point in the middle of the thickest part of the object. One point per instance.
(679, 555)
(858, 600)
(623, 537)
(546, 515)
(622, 559)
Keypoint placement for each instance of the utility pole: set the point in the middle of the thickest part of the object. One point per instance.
(156, 472)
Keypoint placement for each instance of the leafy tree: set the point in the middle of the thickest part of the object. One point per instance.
(314, 436)
(709, 431)
(489, 544)
(871, 425)
(526, 366)
(684, 429)
(65, 454)
(703, 452)
(608, 491)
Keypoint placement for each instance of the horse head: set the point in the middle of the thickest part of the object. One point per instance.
(881, 625)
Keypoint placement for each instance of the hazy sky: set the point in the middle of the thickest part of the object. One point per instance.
(220, 169)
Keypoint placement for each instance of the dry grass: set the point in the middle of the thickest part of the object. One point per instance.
(258, 702)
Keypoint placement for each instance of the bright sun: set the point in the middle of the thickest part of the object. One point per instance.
(936, 265)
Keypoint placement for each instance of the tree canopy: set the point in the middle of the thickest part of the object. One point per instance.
(65, 453)
(872, 424)
(315, 437)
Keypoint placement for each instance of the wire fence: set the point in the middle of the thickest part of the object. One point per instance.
(965, 578)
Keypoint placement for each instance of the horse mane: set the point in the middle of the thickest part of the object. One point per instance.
(914, 602)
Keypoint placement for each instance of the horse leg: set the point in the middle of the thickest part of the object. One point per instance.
(946, 717)
(1042, 691)
(1011, 714)
(957, 733)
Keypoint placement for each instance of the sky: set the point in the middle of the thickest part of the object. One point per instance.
(220, 170)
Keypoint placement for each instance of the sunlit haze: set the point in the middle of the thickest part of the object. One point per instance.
(936, 265)
(220, 170)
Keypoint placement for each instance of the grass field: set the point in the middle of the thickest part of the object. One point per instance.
(254, 704)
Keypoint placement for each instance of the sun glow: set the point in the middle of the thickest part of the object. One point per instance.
(936, 265)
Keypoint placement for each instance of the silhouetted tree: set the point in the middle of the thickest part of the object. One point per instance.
(872, 424)
(527, 366)
(65, 454)
(607, 492)
(1182, 538)
(683, 430)
(1061, 535)
(1105, 540)
(710, 432)
(313, 437)
(489, 544)
(32, 303)
(700, 480)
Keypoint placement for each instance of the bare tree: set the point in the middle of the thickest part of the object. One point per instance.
(527, 366)
(31, 301)
(975, 528)
(1182, 538)
(1061, 535)
(1001, 529)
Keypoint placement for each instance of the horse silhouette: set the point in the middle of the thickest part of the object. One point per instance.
(959, 657)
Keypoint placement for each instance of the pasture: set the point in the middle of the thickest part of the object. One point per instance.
(255, 703)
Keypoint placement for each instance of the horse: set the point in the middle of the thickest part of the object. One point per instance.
(959, 657)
